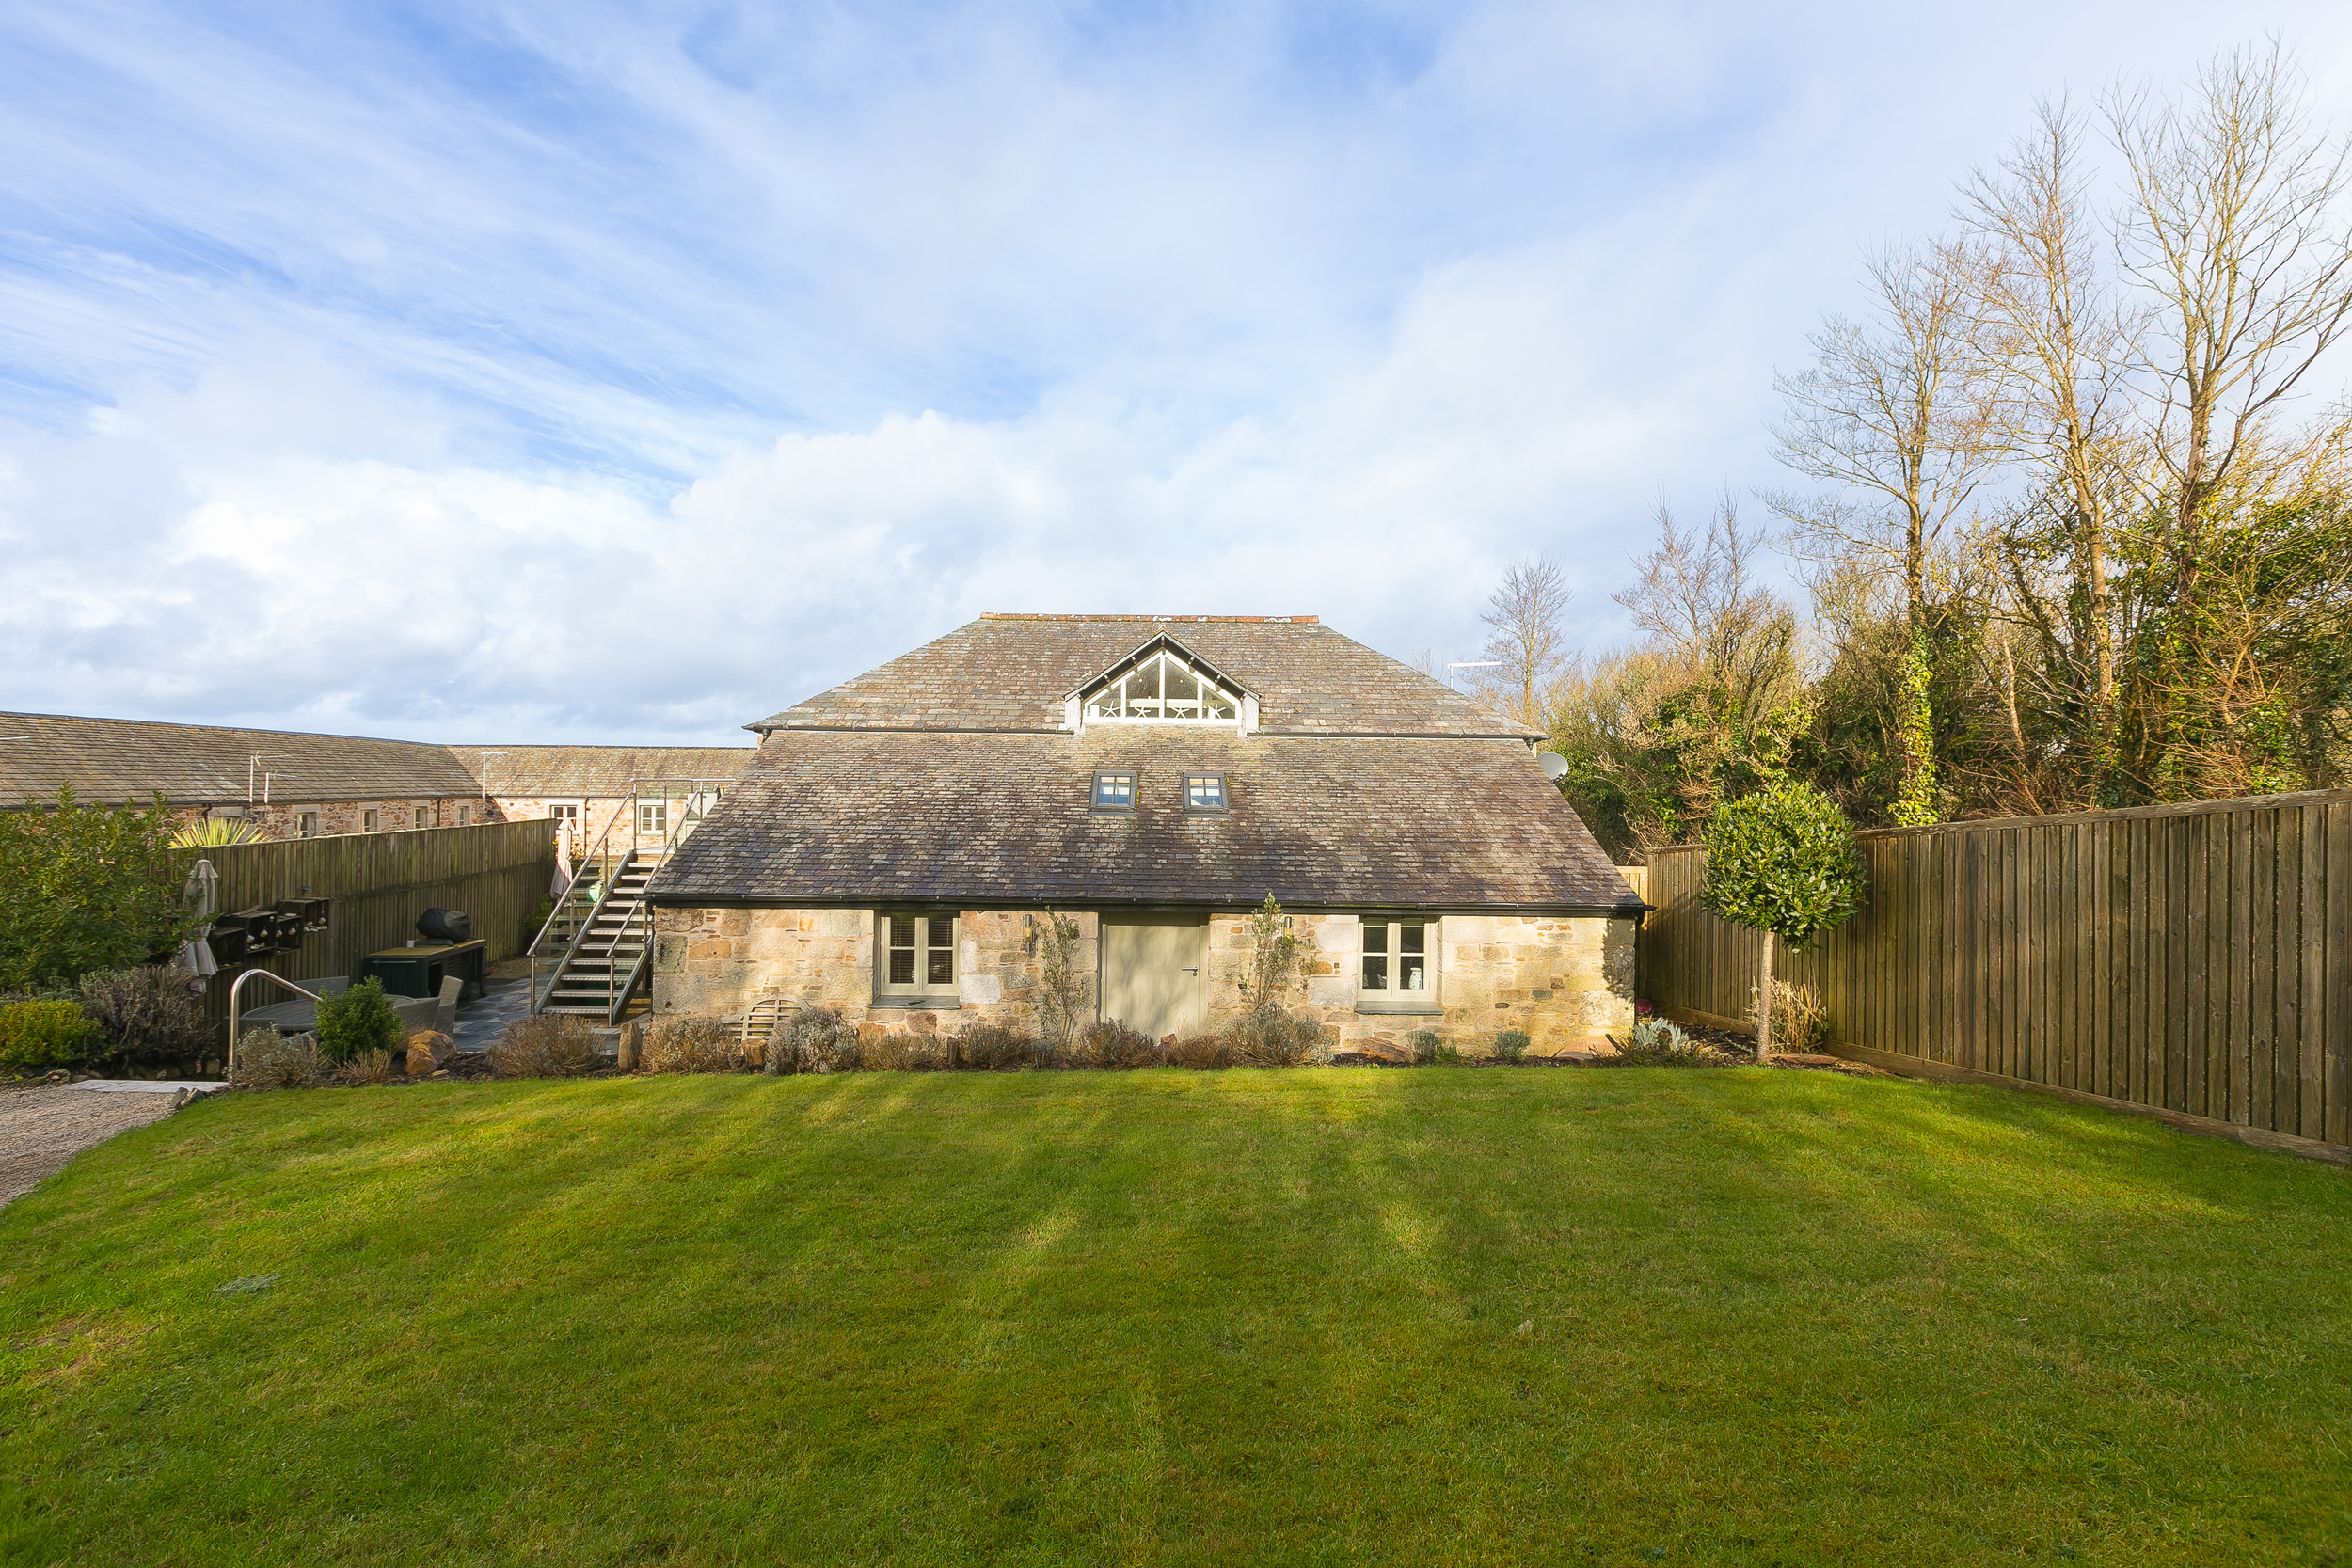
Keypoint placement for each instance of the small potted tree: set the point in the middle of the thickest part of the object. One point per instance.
(1782, 862)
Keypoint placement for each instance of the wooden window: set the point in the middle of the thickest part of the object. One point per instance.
(306, 824)
(652, 819)
(564, 811)
(1113, 792)
(370, 820)
(465, 817)
(1204, 793)
(1399, 961)
(918, 955)
(418, 818)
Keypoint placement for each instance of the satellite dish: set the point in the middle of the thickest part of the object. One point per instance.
(1556, 766)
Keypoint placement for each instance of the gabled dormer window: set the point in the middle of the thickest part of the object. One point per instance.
(1160, 684)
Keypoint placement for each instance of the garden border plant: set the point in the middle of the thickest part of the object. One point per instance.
(1783, 861)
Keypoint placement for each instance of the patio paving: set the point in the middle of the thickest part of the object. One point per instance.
(480, 1021)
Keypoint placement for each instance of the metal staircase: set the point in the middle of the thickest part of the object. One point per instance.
(594, 954)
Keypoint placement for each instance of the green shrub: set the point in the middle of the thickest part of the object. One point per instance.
(992, 1045)
(36, 1036)
(1110, 1043)
(1425, 1046)
(813, 1040)
(1201, 1052)
(89, 888)
(546, 1045)
(149, 1014)
(269, 1060)
(1655, 1042)
(1270, 1037)
(682, 1043)
(1511, 1045)
(361, 1020)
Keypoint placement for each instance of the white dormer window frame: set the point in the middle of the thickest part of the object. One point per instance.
(1160, 684)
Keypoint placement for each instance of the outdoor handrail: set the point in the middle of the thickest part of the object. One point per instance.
(696, 796)
(237, 985)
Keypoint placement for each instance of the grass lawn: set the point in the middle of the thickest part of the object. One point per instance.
(1433, 1316)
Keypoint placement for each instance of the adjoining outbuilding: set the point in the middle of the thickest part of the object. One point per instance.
(894, 846)
(294, 784)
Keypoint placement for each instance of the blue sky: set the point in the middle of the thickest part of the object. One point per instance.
(583, 372)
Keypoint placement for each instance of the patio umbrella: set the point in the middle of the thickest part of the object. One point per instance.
(563, 881)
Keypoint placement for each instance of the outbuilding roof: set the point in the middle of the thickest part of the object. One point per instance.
(1011, 674)
(132, 759)
(588, 771)
(1007, 819)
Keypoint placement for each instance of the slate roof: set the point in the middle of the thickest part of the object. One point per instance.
(974, 820)
(1011, 672)
(119, 759)
(585, 771)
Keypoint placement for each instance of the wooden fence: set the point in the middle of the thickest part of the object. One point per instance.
(2195, 961)
(380, 882)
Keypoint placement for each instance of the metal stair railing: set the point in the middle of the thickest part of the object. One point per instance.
(630, 820)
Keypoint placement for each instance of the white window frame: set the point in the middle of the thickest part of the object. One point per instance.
(925, 929)
(1390, 949)
(306, 824)
(420, 818)
(1079, 710)
(370, 819)
(562, 810)
(465, 817)
(653, 820)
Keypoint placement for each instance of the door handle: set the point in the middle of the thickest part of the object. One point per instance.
(1194, 970)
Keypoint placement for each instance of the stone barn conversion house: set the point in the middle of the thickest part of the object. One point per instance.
(893, 847)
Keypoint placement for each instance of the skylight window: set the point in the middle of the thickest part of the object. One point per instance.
(1164, 689)
(1113, 792)
(1204, 792)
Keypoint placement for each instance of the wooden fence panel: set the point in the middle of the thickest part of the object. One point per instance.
(499, 873)
(2195, 959)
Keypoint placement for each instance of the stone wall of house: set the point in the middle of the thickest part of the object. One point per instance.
(716, 962)
(1565, 981)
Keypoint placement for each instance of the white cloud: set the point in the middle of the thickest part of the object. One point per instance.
(629, 375)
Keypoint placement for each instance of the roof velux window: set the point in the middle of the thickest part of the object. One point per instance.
(1113, 792)
(1204, 792)
(1165, 689)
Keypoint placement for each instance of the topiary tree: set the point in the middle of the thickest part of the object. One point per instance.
(1782, 862)
(361, 1020)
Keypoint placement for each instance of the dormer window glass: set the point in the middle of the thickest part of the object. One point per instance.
(1164, 689)
(1113, 792)
(1204, 792)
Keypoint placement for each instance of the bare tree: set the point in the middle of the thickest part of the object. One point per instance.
(1900, 413)
(2067, 348)
(1525, 639)
(2230, 228)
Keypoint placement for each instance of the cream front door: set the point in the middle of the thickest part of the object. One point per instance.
(1152, 974)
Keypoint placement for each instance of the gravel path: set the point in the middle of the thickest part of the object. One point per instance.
(43, 1126)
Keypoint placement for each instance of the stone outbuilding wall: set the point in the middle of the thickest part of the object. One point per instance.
(1563, 980)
